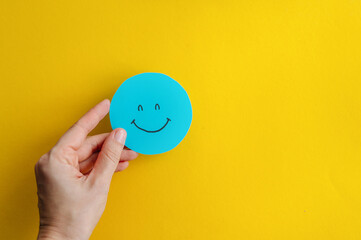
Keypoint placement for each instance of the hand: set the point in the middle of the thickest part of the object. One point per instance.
(73, 178)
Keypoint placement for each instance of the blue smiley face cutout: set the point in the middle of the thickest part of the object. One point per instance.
(155, 111)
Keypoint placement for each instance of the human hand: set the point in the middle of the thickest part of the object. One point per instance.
(73, 178)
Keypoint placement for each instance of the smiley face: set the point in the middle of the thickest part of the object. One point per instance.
(155, 111)
(150, 131)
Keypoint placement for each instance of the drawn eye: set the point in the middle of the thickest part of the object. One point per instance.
(157, 107)
(140, 108)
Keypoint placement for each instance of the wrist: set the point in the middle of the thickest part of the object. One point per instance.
(50, 232)
(61, 232)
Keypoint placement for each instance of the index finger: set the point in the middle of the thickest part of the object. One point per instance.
(76, 135)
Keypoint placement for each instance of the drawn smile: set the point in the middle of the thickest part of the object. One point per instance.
(150, 131)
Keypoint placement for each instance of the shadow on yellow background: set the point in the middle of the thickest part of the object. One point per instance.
(274, 148)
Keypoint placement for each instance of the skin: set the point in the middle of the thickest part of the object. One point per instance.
(73, 178)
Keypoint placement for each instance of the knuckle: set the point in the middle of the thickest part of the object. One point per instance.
(43, 160)
(54, 152)
(57, 152)
(84, 126)
(36, 167)
(111, 155)
(41, 164)
(79, 125)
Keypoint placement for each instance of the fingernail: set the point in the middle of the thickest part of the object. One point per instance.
(120, 135)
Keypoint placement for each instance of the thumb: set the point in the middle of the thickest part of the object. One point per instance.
(109, 156)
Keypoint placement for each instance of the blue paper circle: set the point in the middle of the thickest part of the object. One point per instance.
(154, 109)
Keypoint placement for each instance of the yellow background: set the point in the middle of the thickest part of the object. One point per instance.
(274, 150)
